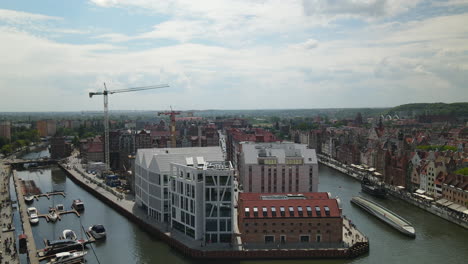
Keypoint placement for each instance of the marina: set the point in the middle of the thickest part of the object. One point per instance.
(385, 215)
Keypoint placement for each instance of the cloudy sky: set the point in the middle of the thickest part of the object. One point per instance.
(224, 54)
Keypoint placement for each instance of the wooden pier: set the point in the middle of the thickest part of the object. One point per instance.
(59, 213)
(48, 194)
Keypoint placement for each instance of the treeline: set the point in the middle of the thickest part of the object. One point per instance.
(413, 110)
(20, 138)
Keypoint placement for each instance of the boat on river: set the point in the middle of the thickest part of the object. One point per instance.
(53, 216)
(68, 257)
(69, 234)
(78, 205)
(29, 198)
(63, 245)
(373, 188)
(97, 231)
(389, 217)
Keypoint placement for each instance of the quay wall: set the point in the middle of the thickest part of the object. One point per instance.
(405, 196)
(358, 249)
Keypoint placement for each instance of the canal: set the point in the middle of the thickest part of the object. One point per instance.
(437, 241)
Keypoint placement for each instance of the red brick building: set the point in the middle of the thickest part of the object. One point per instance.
(289, 218)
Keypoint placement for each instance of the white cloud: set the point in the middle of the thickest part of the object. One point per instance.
(274, 56)
(18, 17)
(450, 3)
(307, 45)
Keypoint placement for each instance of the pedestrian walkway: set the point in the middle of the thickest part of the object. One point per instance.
(8, 250)
(31, 245)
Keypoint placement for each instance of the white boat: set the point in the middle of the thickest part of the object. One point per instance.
(29, 198)
(68, 257)
(32, 210)
(33, 218)
(59, 207)
(69, 234)
(97, 231)
(389, 217)
(53, 216)
(78, 205)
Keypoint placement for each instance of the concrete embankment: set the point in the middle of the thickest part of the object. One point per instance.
(22, 207)
(192, 248)
(403, 195)
(429, 207)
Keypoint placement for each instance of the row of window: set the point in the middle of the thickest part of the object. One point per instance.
(302, 238)
(283, 224)
(291, 211)
(292, 231)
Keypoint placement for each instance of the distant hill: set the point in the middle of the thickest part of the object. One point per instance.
(413, 110)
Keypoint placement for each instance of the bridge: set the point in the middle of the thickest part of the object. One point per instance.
(22, 163)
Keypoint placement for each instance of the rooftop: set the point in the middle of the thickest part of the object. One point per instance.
(280, 151)
(159, 159)
(297, 205)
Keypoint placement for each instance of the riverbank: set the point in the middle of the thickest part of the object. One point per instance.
(195, 249)
(431, 207)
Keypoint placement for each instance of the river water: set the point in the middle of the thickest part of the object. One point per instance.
(437, 240)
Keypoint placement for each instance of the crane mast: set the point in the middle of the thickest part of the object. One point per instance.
(105, 94)
(172, 114)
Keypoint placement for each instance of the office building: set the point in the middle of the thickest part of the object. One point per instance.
(278, 168)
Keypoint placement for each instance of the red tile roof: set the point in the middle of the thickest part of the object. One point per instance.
(253, 135)
(312, 200)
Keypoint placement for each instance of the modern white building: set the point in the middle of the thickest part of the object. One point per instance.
(278, 168)
(189, 188)
(202, 199)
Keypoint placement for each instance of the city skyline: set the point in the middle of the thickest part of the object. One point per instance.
(232, 54)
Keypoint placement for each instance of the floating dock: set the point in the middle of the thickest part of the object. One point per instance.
(389, 217)
(59, 213)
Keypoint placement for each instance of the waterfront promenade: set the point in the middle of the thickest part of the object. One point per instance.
(8, 250)
(27, 229)
(431, 207)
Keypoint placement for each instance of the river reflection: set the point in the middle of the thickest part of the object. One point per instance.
(437, 240)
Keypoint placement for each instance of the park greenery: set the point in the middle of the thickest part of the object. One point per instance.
(436, 147)
(463, 171)
(20, 138)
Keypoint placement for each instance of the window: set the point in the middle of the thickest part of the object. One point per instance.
(211, 225)
(255, 212)
(273, 211)
(269, 239)
(304, 239)
(309, 211)
(327, 210)
(291, 211)
(247, 212)
(282, 238)
(282, 212)
(317, 211)
(265, 212)
(299, 210)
